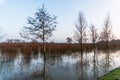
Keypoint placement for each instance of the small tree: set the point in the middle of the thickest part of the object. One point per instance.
(40, 27)
(80, 34)
(69, 40)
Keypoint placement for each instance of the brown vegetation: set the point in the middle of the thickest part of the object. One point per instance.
(27, 48)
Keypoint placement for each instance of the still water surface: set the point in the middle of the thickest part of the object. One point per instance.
(70, 66)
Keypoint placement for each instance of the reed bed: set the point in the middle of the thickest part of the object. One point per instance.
(52, 48)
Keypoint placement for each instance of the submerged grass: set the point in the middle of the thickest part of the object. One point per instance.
(112, 75)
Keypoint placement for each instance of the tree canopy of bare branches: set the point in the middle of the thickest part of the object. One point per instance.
(106, 34)
(93, 35)
(80, 34)
(40, 27)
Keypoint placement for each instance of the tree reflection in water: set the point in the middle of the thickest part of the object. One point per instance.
(82, 66)
(69, 66)
(95, 64)
(106, 63)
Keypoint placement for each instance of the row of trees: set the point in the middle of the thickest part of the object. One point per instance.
(43, 24)
(105, 35)
(81, 28)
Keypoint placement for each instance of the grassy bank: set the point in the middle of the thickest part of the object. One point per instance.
(112, 75)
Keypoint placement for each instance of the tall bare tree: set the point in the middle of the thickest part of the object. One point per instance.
(93, 35)
(80, 34)
(40, 27)
(94, 38)
(106, 34)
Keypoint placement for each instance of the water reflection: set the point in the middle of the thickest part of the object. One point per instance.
(70, 66)
(95, 65)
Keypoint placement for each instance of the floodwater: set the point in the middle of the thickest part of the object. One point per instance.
(69, 66)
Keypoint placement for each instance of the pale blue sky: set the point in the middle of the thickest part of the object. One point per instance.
(14, 14)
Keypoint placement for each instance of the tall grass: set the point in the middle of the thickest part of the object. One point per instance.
(27, 48)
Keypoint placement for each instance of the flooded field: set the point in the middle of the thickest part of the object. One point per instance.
(69, 66)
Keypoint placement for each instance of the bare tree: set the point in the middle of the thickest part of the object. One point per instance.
(93, 35)
(69, 40)
(40, 27)
(94, 38)
(106, 34)
(80, 34)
